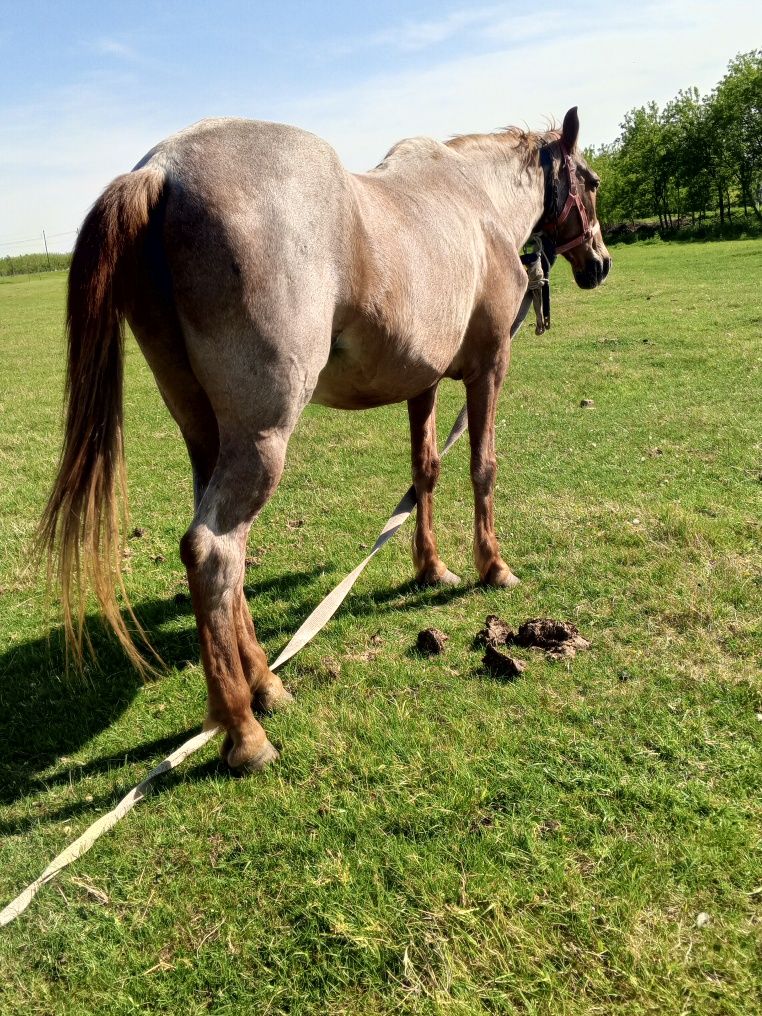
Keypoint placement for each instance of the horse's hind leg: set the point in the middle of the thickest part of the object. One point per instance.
(430, 570)
(266, 688)
(160, 337)
(213, 551)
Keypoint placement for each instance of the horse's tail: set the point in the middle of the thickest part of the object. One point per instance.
(80, 532)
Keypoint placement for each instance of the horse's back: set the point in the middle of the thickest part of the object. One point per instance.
(252, 206)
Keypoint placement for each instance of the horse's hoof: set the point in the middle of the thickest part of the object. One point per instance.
(434, 577)
(270, 700)
(500, 575)
(266, 754)
(449, 578)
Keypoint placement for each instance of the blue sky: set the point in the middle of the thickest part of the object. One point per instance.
(86, 88)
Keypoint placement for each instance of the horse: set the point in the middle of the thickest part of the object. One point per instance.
(257, 275)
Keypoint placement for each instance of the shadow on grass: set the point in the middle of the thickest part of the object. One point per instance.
(46, 714)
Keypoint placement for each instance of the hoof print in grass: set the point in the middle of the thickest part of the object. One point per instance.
(586, 404)
(559, 639)
(431, 641)
(159, 559)
(502, 665)
(496, 632)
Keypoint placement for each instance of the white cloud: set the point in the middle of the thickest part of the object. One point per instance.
(414, 35)
(112, 47)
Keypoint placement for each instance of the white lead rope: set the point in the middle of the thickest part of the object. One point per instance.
(317, 620)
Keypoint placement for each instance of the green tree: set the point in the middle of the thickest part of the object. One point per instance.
(736, 106)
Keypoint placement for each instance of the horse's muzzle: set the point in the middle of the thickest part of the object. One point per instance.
(593, 274)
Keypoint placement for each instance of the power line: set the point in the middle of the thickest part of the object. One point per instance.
(17, 243)
(38, 236)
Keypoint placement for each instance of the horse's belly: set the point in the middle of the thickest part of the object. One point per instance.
(368, 368)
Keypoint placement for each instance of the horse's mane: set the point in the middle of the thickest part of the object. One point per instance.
(530, 142)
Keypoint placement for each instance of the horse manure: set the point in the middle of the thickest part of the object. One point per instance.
(496, 632)
(431, 641)
(559, 639)
(586, 404)
(502, 665)
(295, 523)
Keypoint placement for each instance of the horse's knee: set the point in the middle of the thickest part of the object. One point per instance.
(426, 471)
(484, 473)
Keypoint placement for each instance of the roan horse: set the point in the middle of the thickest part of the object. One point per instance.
(258, 275)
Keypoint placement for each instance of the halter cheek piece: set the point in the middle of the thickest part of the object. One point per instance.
(552, 218)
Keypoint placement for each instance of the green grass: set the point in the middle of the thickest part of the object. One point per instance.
(432, 840)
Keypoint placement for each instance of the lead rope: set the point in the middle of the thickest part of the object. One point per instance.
(317, 620)
(538, 281)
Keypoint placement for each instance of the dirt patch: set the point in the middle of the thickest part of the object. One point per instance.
(431, 641)
(502, 665)
(366, 656)
(318, 675)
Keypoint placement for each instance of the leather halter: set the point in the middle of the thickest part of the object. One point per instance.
(552, 219)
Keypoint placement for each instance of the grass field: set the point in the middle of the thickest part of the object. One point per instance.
(432, 839)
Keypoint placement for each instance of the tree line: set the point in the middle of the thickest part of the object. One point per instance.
(696, 161)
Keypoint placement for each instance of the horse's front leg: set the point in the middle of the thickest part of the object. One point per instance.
(429, 569)
(482, 394)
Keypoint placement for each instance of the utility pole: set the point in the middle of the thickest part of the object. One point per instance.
(45, 241)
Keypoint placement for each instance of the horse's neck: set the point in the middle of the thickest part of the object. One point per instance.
(515, 188)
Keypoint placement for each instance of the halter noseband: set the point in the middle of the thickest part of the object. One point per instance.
(551, 218)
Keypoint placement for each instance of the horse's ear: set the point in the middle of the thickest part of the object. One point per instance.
(570, 129)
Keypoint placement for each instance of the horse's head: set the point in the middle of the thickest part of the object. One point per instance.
(569, 218)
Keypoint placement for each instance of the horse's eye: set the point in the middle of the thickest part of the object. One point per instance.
(593, 182)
